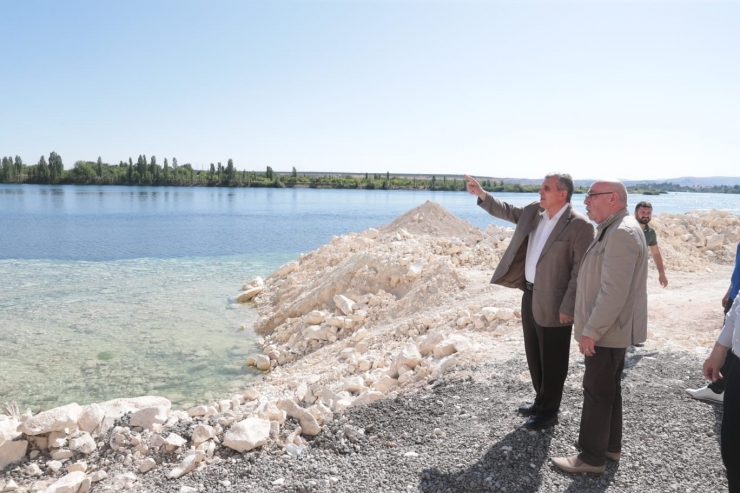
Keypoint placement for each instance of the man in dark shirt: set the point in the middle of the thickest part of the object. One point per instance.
(643, 214)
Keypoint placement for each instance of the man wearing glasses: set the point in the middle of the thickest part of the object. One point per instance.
(542, 260)
(610, 316)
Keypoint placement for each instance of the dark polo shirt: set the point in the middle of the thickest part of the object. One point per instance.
(650, 237)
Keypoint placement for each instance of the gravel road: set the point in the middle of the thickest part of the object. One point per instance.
(463, 435)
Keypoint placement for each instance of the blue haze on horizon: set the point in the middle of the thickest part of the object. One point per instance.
(638, 90)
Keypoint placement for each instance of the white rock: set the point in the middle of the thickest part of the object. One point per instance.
(359, 335)
(54, 465)
(55, 419)
(146, 418)
(430, 342)
(147, 465)
(505, 315)
(203, 432)
(248, 294)
(61, 454)
(57, 439)
(322, 413)
(367, 397)
(77, 466)
(344, 304)
(116, 408)
(197, 411)
(385, 384)
(490, 313)
(67, 484)
(247, 434)
(174, 441)
(187, 465)
(33, 469)
(262, 362)
(307, 421)
(317, 332)
(286, 269)
(83, 443)
(353, 384)
(8, 428)
(371, 233)
(415, 269)
(409, 356)
(452, 344)
(10, 486)
(444, 365)
(99, 475)
(314, 317)
(12, 452)
(337, 322)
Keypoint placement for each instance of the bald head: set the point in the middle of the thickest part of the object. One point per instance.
(604, 198)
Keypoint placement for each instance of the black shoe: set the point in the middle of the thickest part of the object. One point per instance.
(541, 422)
(529, 410)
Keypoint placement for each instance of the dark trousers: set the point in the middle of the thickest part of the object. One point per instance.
(601, 419)
(730, 434)
(719, 385)
(547, 349)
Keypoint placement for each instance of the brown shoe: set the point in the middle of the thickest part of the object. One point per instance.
(615, 456)
(574, 464)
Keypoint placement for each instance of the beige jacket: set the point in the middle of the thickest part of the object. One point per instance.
(611, 299)
(557, 268)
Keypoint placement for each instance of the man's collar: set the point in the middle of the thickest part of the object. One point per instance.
(557, 215)
(617, 215)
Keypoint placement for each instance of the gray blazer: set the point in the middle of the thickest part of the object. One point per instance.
(611, 301)
(557, 268)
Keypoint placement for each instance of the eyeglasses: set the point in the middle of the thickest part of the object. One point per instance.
(590, 195)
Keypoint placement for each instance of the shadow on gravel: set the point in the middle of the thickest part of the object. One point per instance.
(518, 457)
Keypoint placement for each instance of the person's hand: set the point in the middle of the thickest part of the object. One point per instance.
(664, 282)
(474, 187)
(725, 300)
(587, 346)
(712, 366)
(565, 319)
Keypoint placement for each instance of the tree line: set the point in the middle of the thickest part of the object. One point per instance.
(148, 171)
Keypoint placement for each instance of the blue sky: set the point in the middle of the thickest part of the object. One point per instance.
(638, 90)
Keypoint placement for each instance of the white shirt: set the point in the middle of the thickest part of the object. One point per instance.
(730, 335)
(537, 240)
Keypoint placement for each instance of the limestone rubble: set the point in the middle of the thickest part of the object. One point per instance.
(368, 315)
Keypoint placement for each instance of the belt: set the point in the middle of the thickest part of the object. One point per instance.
(529, 285)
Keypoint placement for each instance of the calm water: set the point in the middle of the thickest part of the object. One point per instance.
(119, 291)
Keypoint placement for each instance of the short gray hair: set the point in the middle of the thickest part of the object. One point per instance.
(565, 182)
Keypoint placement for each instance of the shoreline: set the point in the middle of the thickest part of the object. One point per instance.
(368, 317)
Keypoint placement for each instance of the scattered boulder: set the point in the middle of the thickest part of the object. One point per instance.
(247, 434)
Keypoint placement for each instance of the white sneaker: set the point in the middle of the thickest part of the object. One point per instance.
(706, 394)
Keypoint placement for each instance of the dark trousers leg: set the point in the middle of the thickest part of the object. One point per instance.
(547, 350)
(601, 419)
(719, 385)
(730, 434)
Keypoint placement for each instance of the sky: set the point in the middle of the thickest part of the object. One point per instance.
(626, 89)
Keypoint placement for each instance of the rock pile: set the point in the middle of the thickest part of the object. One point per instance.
(692, 241)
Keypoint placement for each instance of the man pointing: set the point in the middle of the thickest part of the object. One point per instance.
(542, 260)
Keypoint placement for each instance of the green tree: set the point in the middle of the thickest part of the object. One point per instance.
(166, 171)
(56, 167)
(269, 173)
(100, 167)
(295, 173)
(42, 171)
(230, 172)
(19, 168)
